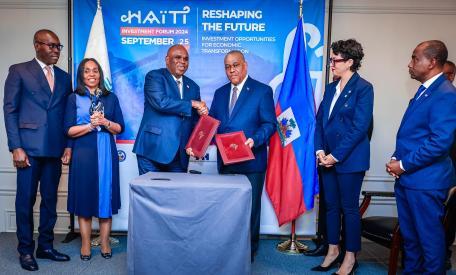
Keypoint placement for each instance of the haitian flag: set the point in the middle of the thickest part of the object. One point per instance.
(291, 177)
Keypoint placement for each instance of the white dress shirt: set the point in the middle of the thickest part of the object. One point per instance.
(239, 87)
(43, 67)
(428, 83)
(180, 87)
(334, 100)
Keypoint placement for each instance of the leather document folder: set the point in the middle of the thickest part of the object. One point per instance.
(202, 135)
(232, 147)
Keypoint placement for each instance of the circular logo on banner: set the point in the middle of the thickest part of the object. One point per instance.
(122, 155)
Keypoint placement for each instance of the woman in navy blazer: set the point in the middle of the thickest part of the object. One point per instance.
(342, 148)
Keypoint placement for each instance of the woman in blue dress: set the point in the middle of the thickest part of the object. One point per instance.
(93, 116)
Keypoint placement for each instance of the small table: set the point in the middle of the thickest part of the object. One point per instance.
(189, 224)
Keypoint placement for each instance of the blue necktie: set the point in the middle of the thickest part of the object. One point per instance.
(418, 93)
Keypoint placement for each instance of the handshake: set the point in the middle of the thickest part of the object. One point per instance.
(200, 106)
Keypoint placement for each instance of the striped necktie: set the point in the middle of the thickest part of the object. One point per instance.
(179, 87)
(234, 98)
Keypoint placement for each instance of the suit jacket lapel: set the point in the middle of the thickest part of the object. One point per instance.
(225, 102)
(56, 94)
(44, 89)
(172, 83)
(187, 95)
(344, 95)
(428, 92)
(414, 104)
(327, 104)
(241, 99)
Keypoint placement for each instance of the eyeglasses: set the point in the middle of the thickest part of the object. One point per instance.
(51, 45)
(333, 61)
(235, 66)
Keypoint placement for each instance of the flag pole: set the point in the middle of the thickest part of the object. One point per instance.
(292, 246)
(96, 241)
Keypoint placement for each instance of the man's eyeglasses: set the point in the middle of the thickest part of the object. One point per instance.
(235, 66)
(51, 45)
(333, 61)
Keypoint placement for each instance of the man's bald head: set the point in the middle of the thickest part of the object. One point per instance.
(239, 54)
(177, 60)
(435, 49)
(39, 34)
(47, 46)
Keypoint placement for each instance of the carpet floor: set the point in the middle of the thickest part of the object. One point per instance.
(372, 260)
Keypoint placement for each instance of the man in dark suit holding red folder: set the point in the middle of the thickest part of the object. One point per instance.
(246, 105)
(172, 104)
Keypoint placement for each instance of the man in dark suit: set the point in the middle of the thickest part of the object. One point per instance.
(245, 104)
(421, 163)
(172, 103)
(34, 103)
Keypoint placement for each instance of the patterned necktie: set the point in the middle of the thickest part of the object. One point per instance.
(49, 77)
(419, 92)
(179, 88)
(234, 97)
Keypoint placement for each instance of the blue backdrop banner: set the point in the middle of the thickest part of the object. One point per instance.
(138, 34)
(130, 38)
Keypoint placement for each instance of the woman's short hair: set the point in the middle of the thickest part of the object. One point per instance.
(349, 49)
(80, 86)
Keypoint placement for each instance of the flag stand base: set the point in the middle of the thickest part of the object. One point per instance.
(292, 246)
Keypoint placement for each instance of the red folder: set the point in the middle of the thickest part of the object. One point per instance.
(202, 135)
(232, 147)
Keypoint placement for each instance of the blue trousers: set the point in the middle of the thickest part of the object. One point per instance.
(47, 172)
(420, 215)
(342, 196)
(146, 165)
(257, 182)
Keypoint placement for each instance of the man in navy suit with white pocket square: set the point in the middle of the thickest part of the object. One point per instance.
(34, 101)
(421, 164)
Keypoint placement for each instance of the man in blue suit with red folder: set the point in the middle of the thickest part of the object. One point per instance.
(33, 105)
(245, 104)
(172, 103)
(421, 163)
